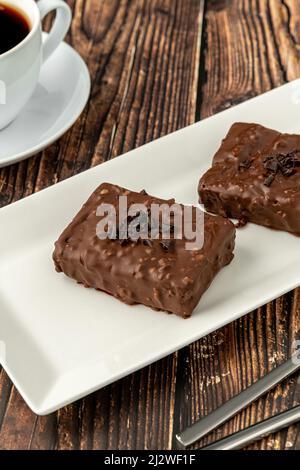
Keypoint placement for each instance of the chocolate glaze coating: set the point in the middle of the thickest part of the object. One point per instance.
(172, 280)
(241, 185)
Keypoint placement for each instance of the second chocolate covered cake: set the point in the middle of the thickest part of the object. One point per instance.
(255, 176)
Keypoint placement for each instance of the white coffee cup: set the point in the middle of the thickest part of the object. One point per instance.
(20, 66)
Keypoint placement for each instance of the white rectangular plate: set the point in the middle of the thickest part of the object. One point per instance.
(63, 341)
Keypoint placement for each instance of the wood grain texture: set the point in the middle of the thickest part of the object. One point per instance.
(150, 76)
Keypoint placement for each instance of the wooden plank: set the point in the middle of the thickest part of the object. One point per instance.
(144, 61)
(250, 47)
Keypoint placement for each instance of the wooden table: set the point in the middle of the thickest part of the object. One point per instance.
(157, 66)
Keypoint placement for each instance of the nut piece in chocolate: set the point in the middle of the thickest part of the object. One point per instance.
(158, 272)
(255, 177)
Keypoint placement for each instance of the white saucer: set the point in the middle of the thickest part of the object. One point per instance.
(59, 99)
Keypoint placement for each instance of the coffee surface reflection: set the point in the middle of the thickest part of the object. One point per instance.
(14, 27)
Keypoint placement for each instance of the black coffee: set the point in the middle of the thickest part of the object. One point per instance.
(14, 27)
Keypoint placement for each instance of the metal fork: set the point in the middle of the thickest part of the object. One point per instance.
(204, 426)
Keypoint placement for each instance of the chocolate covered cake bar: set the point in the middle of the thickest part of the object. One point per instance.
(160, 273)
(255, 176)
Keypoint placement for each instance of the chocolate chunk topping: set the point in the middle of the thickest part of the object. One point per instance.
(283, 163)
(123, 231)
(125, 236)
(144, 192)
(245, 164)
(167, 245)
(269, 180)
(148, 242)
(271, 164)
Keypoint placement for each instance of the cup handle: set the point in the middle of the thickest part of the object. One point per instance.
(60, 27)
